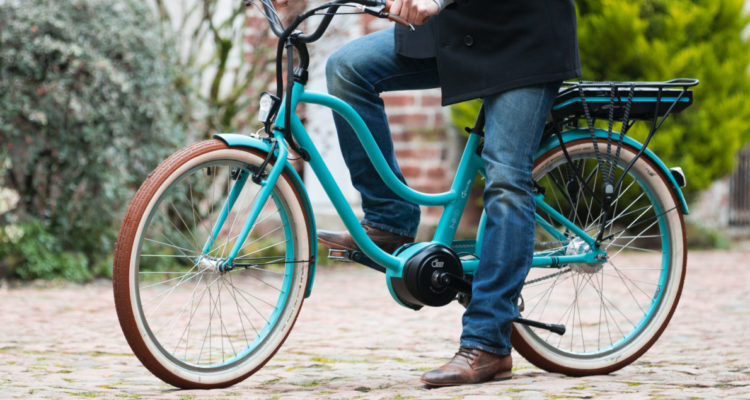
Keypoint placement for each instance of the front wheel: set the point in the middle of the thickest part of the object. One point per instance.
(613, 310)
(189, 322)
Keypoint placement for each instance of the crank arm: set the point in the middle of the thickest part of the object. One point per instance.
(356, 256)
(464, 286)
(555, 328)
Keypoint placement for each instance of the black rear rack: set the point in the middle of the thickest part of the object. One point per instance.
(643, 98)
(625, 102)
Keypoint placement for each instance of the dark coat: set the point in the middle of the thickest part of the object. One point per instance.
(484, 47)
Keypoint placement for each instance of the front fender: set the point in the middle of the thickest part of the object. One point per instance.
(575, 134)
(237, 140)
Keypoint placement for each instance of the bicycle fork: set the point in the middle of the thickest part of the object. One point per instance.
(241, 176)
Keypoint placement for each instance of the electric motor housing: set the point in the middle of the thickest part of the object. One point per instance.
(420, 284)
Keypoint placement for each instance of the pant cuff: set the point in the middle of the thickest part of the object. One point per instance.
(500, 351)
(389, 228)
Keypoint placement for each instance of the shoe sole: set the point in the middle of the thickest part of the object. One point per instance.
(500, 376)
(335, 246)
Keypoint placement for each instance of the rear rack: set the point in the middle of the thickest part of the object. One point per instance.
(625, 102)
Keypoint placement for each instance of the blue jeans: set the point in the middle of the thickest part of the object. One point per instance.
(362, 69)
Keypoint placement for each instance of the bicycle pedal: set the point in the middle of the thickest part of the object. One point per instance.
(354, 256)
(340, 254)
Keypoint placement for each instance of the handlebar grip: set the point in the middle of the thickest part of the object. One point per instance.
(386, 7)
(400, 21)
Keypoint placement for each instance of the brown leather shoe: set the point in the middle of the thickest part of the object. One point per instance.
(343, 240)
(470, 366)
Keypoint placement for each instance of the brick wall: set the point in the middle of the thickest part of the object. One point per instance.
(422, 142)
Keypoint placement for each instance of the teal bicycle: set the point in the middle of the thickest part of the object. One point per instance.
(217, 251)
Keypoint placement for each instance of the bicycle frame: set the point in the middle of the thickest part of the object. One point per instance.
(454, 200)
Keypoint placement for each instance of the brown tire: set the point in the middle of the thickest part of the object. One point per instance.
(615, 310)
(190, 323)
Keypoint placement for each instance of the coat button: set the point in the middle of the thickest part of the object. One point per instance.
(468, 40)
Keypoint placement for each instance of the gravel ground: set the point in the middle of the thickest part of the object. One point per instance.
(353, 341)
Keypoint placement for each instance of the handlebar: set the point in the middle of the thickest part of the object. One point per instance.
(377, 8)
(290, 38)
(269, 11)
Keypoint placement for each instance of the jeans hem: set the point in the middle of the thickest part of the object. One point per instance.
(389, 228)
(500, 351)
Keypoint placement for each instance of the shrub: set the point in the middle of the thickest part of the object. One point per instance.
(227, 56)
(87, 108)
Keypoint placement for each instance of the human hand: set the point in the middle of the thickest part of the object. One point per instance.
(414, 11)
(281, 3)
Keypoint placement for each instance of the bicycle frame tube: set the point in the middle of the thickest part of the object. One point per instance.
(547, 260)
(470, 164)
(266, 184)
(231, 199)
(372, 150)
(540, 203)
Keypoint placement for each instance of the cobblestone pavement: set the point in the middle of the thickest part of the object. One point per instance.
(353, 341)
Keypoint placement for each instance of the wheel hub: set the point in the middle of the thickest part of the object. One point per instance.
(209, 264)
(577, 247)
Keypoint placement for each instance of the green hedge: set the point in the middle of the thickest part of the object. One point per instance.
(87, 107)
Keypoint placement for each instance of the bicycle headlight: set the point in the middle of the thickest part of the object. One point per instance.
(268, 105)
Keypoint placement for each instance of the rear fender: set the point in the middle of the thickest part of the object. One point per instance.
(575, 134)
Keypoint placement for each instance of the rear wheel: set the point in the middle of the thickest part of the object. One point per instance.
(615, 310)
(189, 323)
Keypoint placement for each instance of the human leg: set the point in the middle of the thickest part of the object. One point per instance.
(357, 73)
(514, 124)
(515, 121)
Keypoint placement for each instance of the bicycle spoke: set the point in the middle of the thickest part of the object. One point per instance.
(625, 281)
(187, 227)
(590, 203)
(631, 240)
(232, 238)
(615, 307)
(194, 309)
(171, 322)
(182, 249)
(236, 217)
(169, 256)
(629, 247)
(547, 293)
(195, 212)
(244, 295)
(265, 283)
(190, 273)
(171, 223)
(240, 313)
(264, 248)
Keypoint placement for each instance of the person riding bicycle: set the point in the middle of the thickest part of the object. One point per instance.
(512, 54)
